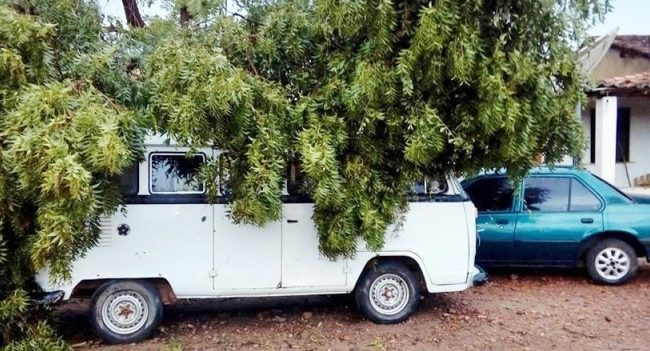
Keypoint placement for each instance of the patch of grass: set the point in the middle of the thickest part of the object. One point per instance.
(174, 345)
(377, 344)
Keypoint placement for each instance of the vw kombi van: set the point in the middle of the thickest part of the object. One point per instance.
(168, 242)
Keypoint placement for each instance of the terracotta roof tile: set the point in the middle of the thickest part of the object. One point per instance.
(633, 81)
(633, 44)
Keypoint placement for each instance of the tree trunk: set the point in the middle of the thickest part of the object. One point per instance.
(132, 12)
(185, 16)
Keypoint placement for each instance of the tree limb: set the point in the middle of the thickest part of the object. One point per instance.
(132, 13)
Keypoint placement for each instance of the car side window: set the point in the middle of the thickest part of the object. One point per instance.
(547, 194)
(491, 194)
(175, 173)
(582, 199)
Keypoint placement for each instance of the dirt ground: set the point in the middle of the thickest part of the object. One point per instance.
(515, 310)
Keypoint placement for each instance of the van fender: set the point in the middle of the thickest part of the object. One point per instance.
(357, 265)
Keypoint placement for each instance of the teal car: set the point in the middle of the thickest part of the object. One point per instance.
(560, 217)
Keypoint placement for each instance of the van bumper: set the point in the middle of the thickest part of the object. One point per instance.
(50, 298)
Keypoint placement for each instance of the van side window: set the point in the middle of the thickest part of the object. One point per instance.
(430, 185)
(128, 180)
(175, 173)
(296, 184)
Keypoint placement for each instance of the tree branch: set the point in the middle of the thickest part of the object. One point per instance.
(132, 13)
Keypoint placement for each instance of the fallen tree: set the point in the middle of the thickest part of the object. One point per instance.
(368, 96)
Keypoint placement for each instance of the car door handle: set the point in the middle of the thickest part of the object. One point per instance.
(292, 221)
(587, 220)
(502, 221)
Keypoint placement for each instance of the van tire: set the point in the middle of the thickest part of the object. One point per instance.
(126, 311)
(612, 262)
(387, 293)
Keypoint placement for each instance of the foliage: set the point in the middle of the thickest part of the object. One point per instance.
(367, 96)
(39, 338)
(62, 143)
(381, 93)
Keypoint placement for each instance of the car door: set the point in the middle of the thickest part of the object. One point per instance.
(493, 197)
(557, 212)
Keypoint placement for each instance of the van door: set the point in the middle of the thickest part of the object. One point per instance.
(165, 230)
(302, 263)
(246, 257)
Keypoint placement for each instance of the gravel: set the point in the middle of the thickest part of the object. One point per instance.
(516, 310)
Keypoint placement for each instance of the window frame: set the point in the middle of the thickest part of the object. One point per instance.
(181, 154)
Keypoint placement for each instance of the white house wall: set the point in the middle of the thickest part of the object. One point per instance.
(639, 163)
(613, 64)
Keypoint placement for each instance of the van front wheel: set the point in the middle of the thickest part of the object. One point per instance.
(387, 293)
(126, 311)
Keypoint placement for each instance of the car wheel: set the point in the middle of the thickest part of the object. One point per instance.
(387, 293)
(126, 311)
(612, 261)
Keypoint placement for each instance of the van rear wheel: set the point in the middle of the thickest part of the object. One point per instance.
(124, 312)
(388, 293)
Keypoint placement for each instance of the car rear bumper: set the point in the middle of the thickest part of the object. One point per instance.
(480, 276)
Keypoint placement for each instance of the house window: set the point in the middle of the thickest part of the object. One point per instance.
(622, 135)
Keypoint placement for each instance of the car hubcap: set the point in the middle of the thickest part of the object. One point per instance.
(612, 263)
(125, 312)
(389, 294)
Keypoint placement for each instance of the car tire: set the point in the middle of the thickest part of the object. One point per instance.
(387, 293)
(123, 312)
(612, 262)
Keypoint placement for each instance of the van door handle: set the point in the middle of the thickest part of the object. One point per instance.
(292, 221)
(587, 220)
(502, 221)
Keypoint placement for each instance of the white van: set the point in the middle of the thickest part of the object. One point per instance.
(168, 242)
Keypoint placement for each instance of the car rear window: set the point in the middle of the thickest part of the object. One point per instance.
(582, 199)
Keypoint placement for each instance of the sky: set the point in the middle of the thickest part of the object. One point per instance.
(631, 16)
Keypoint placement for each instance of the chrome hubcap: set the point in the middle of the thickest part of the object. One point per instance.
(612, 263)
(125, 312)
(389, 294)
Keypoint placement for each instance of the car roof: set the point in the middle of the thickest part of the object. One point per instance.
(545, 169)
